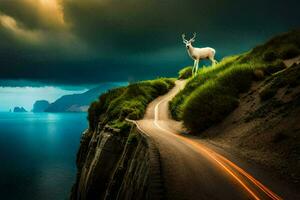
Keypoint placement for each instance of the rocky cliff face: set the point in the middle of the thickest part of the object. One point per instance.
(114, 165)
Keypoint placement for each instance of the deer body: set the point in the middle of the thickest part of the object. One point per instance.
(201, 53)
(198, 54)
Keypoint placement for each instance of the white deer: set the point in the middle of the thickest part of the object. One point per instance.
(198, 53)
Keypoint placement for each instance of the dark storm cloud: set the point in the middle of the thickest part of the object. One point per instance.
(89, 41)
(153, 24)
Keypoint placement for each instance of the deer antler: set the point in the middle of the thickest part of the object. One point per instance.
(193, 38)
(183, 38)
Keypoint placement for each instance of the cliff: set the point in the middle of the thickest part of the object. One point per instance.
(114, 166)
(115, 160)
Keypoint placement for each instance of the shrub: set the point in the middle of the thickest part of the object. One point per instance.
(237, 79)
(216, 98)
(132, 138)
(203, 75)
(185, 73)
(270, 56)
(290, 52)
(207, 106)
(124, 126)
(274, 67)
(161, 86)
(259, 74)
(175, 106)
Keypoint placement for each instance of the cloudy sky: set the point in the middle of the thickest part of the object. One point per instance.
(84, 42)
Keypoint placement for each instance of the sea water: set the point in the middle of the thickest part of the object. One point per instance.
(38, 154)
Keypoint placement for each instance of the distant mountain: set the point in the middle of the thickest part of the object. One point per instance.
(40, 106)
(80, 102)
(19, 109)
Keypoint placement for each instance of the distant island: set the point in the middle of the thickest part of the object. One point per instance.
(74, 102)
(19, 109)
(40, 106)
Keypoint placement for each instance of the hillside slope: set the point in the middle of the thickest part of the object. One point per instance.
(265, 127)
(214, 92)
(249, 103)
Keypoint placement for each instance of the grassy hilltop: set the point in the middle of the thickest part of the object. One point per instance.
(126, 102)
(214, 92)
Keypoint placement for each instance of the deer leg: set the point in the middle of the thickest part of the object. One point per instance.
(213, 61)
(197, 66)
(194, 68)
(216, 62)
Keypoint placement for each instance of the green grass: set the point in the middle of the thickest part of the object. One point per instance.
(203, 75)
(216, 98)
(214, 92)
(127, 102)
(185, 73)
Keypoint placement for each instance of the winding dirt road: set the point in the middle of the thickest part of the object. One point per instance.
(191, 169)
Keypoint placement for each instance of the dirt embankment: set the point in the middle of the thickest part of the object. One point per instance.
(266, 125)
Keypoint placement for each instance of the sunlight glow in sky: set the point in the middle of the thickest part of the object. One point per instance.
(26, 96)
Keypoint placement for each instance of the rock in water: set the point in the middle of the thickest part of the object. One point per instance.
(40, 106)
(19, 109)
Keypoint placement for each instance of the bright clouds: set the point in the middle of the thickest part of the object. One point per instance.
(50, 11)
(10, 24)
(35, 14)
(40, 23)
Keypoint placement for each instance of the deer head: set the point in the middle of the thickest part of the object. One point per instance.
(188, 42)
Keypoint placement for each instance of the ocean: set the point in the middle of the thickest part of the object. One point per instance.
(38, 154)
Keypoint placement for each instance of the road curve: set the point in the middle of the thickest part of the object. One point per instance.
(191, 169)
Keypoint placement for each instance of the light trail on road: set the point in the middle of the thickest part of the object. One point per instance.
(220, 160)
